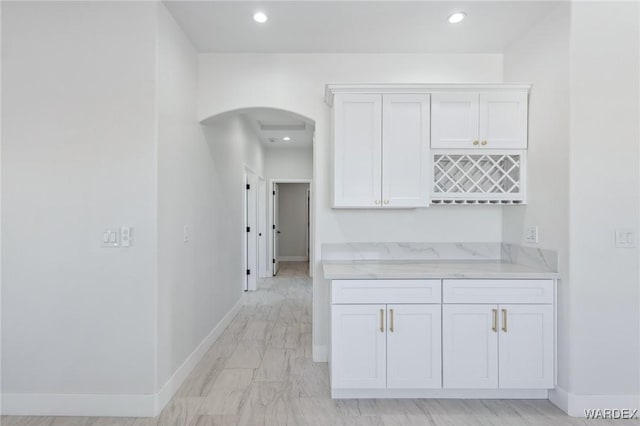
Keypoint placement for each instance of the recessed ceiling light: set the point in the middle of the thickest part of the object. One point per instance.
(260, 17)
(457, 17)
(286, 138)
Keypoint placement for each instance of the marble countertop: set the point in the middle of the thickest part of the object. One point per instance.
(416, 269)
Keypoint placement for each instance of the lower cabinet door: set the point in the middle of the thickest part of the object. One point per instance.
(358, 346)
(526, 347)
(470, 346)
(413, 346)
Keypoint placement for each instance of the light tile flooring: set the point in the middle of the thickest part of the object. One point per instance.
(260, 373)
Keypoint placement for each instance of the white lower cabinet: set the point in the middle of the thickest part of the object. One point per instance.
(442, 338)
(498, 346)
(385, 346)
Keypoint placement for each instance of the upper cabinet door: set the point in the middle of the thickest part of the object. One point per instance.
(526, 347)
(454, 120)
(405, 150)
(357, 150)
(503, 120)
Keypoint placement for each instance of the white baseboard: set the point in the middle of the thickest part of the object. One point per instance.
(320, 353)
(575, 405)
(48, 404)
(292, 258)
(439, 393)
(146, 405)
(167, 391)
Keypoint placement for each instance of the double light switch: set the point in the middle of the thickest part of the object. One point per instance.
(122, 237)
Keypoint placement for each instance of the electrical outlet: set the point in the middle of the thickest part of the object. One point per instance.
(625, 238)
(531, 234)
(126, 236)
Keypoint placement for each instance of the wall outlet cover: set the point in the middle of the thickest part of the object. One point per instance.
(625, 238)
(531, 234)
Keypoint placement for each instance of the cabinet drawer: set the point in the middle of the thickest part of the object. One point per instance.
(385, 291)
(497, 291)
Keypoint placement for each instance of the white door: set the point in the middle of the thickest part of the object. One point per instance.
(469, 346)
(413, 347)
(454, 120)
(264, 262)
(503, 120)
(526, 346)
(275, 228)
(358, 342)
(357, 150)
(252, 232)
(405, 150)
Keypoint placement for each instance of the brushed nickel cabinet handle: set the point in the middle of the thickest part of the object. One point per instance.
(381, 320)
(386, 201)
(391, 318)
(484, 143)
(377, 201)
(494, 321)
(504, 320)
(476, 143)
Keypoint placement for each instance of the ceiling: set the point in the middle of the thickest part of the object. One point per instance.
(272, 125)
(355, 26)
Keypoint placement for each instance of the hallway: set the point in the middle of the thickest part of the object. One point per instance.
(260, 372)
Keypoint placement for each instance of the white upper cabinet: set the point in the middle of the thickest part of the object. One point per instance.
(405, 150)
(357, 150)
(454, 120)
(479, 120)
(503, 120)
(381, 150)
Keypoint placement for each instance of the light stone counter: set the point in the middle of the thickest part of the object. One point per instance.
(422, 269)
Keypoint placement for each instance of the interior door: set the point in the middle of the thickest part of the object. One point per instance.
(405, 150)
(526, 346)
(275, 228)
(454, 120)
(357, 150)
(358, 342)
(414, 346)
(252, 232)
(503, 120)
(469, 346)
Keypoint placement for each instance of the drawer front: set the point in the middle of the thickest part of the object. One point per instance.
(385, 291)
(497, 291)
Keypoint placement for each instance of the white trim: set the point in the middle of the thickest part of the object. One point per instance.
(441, 393)
(292, 258)
(43, 404)
(143, 405)
(575, 405)
(320, 353)
(331, 89)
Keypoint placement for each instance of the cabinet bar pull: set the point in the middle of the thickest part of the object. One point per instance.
(504, 320)
(494, 321)
(381, 320)
(391, 317)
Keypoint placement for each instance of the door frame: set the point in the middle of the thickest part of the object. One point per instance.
(273, 181)
(249, 284)
(264, 269)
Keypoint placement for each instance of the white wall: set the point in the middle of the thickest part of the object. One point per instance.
(604, 194)
(295, 82)
(293, 220)
(541, 57)
(78, 100)
(288, 163)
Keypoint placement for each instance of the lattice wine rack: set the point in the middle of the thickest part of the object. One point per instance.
(486, 178)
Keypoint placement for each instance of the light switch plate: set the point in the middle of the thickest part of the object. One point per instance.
(186, 234)
(625, 238)
(531, 234)
(111, 238)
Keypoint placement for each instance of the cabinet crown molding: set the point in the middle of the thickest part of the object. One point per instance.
(333, 88)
